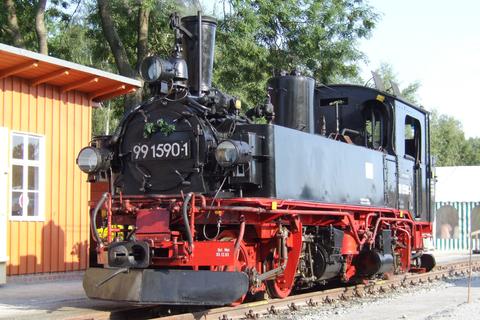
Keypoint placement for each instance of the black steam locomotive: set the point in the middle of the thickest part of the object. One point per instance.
(343, 170)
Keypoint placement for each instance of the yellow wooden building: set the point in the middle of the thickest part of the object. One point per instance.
(45, 119)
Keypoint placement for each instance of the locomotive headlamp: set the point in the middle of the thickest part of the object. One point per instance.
(231, 152)
(154, 69)
(92, 160)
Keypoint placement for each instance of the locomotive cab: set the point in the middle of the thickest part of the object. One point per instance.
(382, 122)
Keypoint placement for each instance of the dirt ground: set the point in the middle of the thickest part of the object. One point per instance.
(48, 300)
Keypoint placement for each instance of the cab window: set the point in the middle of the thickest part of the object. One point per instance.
(412, 138)
(374, 126)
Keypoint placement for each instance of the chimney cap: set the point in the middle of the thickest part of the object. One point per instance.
(195, 19)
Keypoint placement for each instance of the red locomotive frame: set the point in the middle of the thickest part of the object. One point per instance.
(260, 236)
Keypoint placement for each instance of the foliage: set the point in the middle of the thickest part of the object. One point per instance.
(448, 142)
(26, 14)
(388, 75)
(160, 125)
(25, 10)
(258, 39)
(107, 117)
(255, 40)
(124, 14)
(472, 157)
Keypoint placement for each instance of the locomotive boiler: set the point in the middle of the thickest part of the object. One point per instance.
(204, 206)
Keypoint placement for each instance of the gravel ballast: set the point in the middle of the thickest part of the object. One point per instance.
(429, 301)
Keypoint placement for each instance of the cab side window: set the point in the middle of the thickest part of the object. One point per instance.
(412, 138)
(374, 127)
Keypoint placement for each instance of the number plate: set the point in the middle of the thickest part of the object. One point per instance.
(161, 151)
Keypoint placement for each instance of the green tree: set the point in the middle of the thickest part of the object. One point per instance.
(472, 157)
(448, 142)
(389, 76)
(23, 23)
(124, 33)
(257, 39)
(110, 35)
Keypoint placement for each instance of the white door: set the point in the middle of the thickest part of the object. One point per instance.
(4, 152)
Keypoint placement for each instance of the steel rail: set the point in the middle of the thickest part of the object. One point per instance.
(256, 310)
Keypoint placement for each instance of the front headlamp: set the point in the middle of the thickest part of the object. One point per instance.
(92, 160)
(232, 152)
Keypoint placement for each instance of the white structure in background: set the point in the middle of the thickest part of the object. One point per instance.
(457, 207)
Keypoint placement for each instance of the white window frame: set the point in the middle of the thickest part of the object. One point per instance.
(40, 163)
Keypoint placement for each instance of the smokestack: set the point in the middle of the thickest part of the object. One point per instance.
(202, 35)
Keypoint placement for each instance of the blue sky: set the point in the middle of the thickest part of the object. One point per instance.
(437, 43)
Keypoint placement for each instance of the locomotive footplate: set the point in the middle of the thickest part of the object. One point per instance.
(180, 287)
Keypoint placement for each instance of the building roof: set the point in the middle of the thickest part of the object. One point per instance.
(457, 184)
(39, 68)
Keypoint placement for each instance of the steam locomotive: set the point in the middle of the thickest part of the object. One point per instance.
(205, 206)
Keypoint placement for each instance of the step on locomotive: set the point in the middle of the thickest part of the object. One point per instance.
(206, 206)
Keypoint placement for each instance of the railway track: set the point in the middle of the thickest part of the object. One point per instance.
(256, 310)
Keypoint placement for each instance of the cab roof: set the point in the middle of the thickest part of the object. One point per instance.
(375, 92)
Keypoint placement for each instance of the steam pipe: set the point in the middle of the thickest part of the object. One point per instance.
(93, 218)
(409, 245)
(383, 219)
(367, 219)
(186, 223)
(192, 217)
(240, 235)
(293, 211)
(109, 219)
(235, 208)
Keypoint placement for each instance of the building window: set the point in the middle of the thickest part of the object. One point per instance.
(27, 191)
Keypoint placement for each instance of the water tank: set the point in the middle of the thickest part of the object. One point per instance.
(292, 98)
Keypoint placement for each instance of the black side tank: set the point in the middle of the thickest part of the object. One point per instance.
(292, 97)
